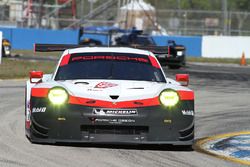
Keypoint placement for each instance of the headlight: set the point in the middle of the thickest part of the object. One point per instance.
(58, 96)
(169, 98)
(179, 53)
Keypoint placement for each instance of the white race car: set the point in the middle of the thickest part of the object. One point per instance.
(108, 95)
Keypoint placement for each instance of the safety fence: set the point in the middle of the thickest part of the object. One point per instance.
(174, 20)
(197, 46)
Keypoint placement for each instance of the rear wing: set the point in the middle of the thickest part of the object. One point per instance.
(54, 47)
(62, 47)
(154, 49)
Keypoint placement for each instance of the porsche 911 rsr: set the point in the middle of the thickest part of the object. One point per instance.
(109, 95)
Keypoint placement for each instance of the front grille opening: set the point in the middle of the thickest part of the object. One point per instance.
(110, 129)
(114, 97)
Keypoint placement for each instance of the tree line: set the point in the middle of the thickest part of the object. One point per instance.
(232, 5)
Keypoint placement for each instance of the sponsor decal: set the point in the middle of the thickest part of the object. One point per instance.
(95, 90)
(38, 109)
(105, 85)
(115, 121)
(188, 112)
(123, 112)
(118, 58)
(167, 121)
(61, 119)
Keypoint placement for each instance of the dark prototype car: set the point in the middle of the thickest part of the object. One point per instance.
(173, 56)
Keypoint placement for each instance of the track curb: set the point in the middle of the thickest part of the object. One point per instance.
(199, 143)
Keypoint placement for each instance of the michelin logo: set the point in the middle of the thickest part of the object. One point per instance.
(99, 112)
(188, 112)
(114, 111)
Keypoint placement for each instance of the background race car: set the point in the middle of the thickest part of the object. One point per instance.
(173, 56)
(108, 95)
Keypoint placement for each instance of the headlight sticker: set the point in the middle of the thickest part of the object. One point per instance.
(188, 112)
(169, 98)
(58, 96)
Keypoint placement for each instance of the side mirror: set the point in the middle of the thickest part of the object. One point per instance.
(183, 79)
(36, 76)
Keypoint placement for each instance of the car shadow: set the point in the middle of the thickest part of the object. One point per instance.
(149, 147)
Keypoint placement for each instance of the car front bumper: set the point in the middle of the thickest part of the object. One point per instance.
(78, 124)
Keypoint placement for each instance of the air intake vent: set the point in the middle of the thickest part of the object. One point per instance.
(108, 129)
(136, 88)
(82, 83)
(114, 97)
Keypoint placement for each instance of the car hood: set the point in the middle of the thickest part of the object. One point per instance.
(109, 90)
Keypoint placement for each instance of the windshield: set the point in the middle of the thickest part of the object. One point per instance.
(144, 41)
(116, 66)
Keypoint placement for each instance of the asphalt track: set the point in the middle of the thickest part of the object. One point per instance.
(222, 106)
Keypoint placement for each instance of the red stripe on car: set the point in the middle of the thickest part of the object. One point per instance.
(108, 104)
(186, 95)
(39, 92)
(154, 62)
(43, 92)
(65, 60)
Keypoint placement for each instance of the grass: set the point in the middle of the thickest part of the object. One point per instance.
(189, 59)
(32, 53)
(10, 69)
(216, 60)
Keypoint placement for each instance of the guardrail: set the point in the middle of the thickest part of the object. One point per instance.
(198, 46)
(22, 38)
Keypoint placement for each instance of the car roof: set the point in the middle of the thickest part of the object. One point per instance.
(108, 49)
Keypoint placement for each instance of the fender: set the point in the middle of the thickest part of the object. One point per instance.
(46, 77)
